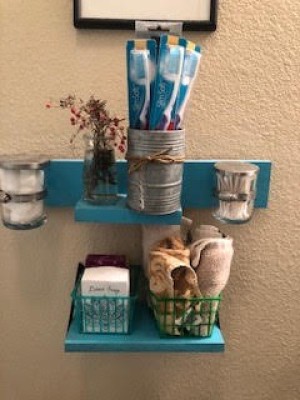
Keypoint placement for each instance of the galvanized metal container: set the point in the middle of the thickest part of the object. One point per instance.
(154, 182)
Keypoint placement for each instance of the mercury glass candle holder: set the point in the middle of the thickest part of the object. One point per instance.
(236, 191)
(22, 191)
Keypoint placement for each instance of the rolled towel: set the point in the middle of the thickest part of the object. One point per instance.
(161, 282)
(170, 278)
(211, 258)
(169, 274)
(175, 247)
(185, 229)
(170, 243)
(155, 233)
(205, 232)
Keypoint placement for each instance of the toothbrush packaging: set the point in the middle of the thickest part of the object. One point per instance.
(141, 69)
(160, 81)
(167, 82)
(190, 69)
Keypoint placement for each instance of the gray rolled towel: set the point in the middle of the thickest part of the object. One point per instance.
(211, 256)
(206, 232)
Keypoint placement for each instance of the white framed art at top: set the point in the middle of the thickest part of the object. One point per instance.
(196, 15)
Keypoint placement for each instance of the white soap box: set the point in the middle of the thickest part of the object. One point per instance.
(102, 311)
(105, 281)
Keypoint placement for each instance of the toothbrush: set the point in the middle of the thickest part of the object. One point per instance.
(170, 70)
(140, 75)
(139, 72)
(144, 116)
(190, 70)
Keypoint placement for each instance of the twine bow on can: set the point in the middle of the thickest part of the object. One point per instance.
(161, 157)
(4, 197)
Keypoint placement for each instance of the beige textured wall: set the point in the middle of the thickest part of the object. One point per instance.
(245, 105)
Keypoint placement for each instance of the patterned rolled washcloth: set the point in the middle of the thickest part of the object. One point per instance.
(154, 233)
(211, 257)
(168, 255)
(175, 247)
(171, 276)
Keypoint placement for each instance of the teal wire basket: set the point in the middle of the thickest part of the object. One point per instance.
(107, 314)
(185, 317)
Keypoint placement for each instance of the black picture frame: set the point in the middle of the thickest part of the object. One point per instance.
(129, 24)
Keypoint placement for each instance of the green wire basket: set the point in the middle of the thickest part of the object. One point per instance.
(185, 317)
(106, 314)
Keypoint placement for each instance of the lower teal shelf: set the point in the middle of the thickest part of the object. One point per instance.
(144, 338)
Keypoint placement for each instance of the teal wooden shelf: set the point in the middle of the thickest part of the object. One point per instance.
(144, 338)
(64, 183)
(121, 214)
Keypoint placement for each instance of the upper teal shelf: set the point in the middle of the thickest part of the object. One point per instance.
(64, 183)
(144, 338)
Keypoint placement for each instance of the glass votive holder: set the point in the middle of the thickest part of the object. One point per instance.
(236, 191)
(22, 191)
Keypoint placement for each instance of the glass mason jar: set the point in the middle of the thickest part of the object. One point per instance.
(22, 191)
(236, 191)
(99, 173)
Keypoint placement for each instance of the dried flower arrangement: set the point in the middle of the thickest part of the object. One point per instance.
(93, 116)
(104, 134)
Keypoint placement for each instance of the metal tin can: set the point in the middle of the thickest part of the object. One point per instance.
(155, 166)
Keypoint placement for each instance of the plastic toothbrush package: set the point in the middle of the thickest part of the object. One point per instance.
(160, 81)
(167, 82)
(141, 66)
(190, 69)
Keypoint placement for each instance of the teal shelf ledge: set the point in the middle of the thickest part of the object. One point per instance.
(64, 183)
(144, 338)
(121, 214)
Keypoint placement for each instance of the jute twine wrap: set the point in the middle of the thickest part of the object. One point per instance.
(161, 157)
